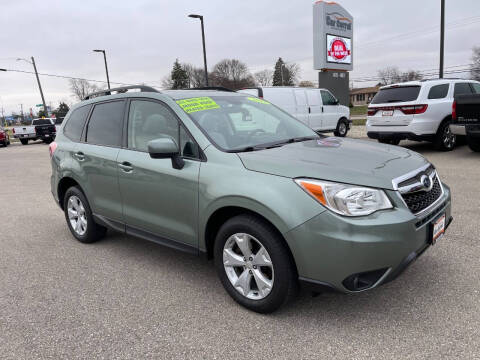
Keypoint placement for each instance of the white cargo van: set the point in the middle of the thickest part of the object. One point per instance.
(317, 108)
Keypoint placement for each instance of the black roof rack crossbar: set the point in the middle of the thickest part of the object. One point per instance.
(120, 90)
(218, 88)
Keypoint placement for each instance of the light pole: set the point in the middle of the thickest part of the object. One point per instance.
(106, 67)
(282, 66)
(195, 16)
(38, 81)
(442, 36)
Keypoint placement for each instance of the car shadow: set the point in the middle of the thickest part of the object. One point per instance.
(414, 291)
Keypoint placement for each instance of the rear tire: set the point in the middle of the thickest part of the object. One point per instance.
(24, 141)
(342, 128)
(445, 140)
(271, 281)
(79, 217)
(473, 143)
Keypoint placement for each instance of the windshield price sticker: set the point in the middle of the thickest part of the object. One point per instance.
(197, 104)
(260, 101)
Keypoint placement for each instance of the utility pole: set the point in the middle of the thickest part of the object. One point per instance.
(442, 36)
(40, 87)
(106, 67)
(195, 16)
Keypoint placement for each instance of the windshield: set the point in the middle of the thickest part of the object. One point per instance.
(42, 122)
(241, 123)
(396, 94)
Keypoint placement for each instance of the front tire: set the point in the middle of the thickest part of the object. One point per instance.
(445, 140)
(79, 217)
(254, 264)
(24, 141)
(342, 128)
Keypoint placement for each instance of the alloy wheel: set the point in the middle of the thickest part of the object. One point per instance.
(449, 138)
(76, 215)
(248, 266)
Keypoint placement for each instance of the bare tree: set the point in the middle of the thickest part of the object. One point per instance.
(293, 70)
(306, 83)
(391, 75)
(475, 67)
(196, 76)
(264, 77)
(81, 88)
(167, 82)
(232, 74)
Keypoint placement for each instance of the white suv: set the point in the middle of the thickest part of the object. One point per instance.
(416, 110)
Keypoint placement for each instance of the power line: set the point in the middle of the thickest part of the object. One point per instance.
(67, 77)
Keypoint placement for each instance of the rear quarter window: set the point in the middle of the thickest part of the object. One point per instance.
(75, 123)
(462, 88)
(438, 91)
(396, 94)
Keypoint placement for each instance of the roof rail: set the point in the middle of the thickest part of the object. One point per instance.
(219, 88)
(120, 90)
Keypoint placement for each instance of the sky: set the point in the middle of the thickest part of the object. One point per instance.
(143, 38)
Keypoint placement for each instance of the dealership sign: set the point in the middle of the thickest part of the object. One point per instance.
(332, 37)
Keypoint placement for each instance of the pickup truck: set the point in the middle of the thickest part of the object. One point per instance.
(43, 129)
(466, 119)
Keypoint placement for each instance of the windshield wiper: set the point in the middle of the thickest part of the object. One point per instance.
(273, 145)
(294, 140)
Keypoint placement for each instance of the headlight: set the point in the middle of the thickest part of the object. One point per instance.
(344, 199)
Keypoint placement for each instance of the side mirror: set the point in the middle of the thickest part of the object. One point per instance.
(165, 148)
(336, 102)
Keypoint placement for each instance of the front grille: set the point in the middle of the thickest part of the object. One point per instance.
(420, 200)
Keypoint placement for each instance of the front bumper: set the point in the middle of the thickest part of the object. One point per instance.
(329, 250)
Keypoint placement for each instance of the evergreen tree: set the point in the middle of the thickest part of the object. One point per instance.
(290, 73)
(61, 111)
(277, 74)
(179, 76)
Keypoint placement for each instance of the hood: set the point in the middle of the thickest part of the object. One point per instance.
(358, 162)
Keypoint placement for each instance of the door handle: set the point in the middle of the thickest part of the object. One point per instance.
(309, 110)
(126, 166)
(80, 156)
(322, 108)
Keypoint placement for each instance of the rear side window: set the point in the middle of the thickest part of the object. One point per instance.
(105, 125)
(476, 87)
(74, 126)
(438, 91)
(462, 88)
(42, 122)
(396, 94)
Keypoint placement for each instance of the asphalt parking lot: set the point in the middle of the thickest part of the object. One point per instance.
(131, 299)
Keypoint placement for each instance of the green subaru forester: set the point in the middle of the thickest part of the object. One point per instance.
(237, 179)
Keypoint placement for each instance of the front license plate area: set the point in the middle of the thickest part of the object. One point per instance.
(437, 229)
(387, 113)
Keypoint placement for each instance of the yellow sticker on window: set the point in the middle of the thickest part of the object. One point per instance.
(197, 104)
(260, 101)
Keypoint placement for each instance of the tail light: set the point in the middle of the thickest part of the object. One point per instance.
(372, 111)
(13, 130)
(413, 109)
(52, 147)
(454, 110)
